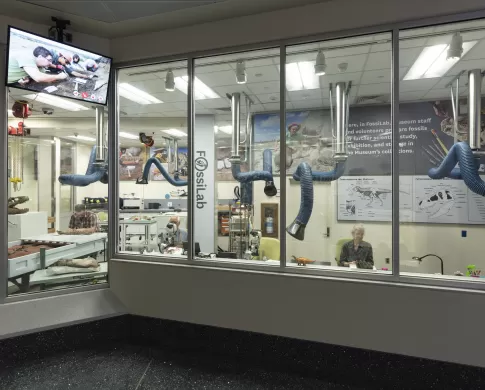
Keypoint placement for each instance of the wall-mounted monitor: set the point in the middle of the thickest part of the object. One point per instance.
(42, 65)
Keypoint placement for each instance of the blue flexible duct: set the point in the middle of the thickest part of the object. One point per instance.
(266, 174)
(462, 154)
(325, 176)
(297, 227)
(247, 193)
(93, 174)
(146, 171)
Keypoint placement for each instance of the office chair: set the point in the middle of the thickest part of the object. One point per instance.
(338, 248)
(269, 247)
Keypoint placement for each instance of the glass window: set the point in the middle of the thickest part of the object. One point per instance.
(236, 135)
(153, 159)
(338, 154)
(442, 135)
(54, 230)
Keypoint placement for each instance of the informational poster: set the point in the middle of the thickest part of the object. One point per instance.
(421, 200)
(162, 154)
(132, 161)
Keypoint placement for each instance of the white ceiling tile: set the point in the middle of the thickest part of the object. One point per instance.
(335, 78)
(444, 81)
(272, 107)
(124, 78)
(269, 98)
(262, 74)
(217, 79)
(301, 57)
(215, 103)
(176, 106)
(150, 86)
(174, 96)
(406, 96)
(410, 43)
(380, 60)
(313, 94)
(377, 47)
(466, 66)
(347, 52)
(355, 63)
(210, 68)
(376, 76)
(416, 32)
(264, 88)
(408, 56)
(374, 89)
(438, 94)
(175, 114)
(304, 104)
(417, 85)
(476, 52)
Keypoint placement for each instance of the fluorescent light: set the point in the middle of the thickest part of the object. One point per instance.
(175, 133)
(122, 134)
(56, 101)
(136, 95)
(225, 129)
(201, 91)
(301, 76)
(81, 138)
(432, 62)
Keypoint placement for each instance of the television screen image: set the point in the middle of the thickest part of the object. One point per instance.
(42, 65)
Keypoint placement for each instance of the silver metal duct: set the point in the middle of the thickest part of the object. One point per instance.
(236, 125)
(249, 133)
(341, 121)
(176, 155)
(100, 135)
(474, 108)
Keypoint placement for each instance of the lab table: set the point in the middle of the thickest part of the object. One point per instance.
(125, 223)
(74, 246)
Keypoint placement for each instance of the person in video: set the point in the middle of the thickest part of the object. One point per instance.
(357, 252)
(88, 64)
(181, 235)
(25, 67)
(293, 133)
(65, 61)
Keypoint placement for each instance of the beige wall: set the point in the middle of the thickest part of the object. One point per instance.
(337, 15)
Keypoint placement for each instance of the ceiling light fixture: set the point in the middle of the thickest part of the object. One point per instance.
(175, 133)
(122, 134)
(455, 50)
(320, 64)
(201, 91)
(432, 62)
(300, 76)
(56, 101)
(136, 95)
(169, 81)
(82, 138)
(241, 77)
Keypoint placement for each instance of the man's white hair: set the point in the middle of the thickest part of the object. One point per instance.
(358, 227)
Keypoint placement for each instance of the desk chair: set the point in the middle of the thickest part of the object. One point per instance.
(338, 248)
(102, 216)
(269, 247)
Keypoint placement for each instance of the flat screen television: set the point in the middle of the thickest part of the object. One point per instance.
(38, 64)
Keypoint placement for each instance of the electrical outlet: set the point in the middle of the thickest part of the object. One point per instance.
(169, 204)
(388, 260)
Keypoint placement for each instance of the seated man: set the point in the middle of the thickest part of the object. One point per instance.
(82, 222)
(24, 67)
(357, 251)
(181, 235)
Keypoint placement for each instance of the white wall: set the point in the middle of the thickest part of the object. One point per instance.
(416, 321)
(337, 15)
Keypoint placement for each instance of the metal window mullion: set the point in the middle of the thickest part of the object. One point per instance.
(282, 156)
(4, 193)
(395, 153)
(190, 152)
(113, 182)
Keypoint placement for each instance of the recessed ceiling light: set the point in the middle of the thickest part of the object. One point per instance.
(136, 95)
(301, 75)
(122, 134)
(56, 101)
(175, 133)
(432, 62)
(201, 91)
(82, 138)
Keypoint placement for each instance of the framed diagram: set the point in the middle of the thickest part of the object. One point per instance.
(269, 220)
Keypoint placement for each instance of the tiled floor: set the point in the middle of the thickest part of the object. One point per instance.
(122, 366)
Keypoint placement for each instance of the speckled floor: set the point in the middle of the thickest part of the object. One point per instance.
(124, 366)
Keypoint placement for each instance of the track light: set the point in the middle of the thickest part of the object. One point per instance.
(241, 72)
(455, 50)
(320, 64)
(169, 81)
